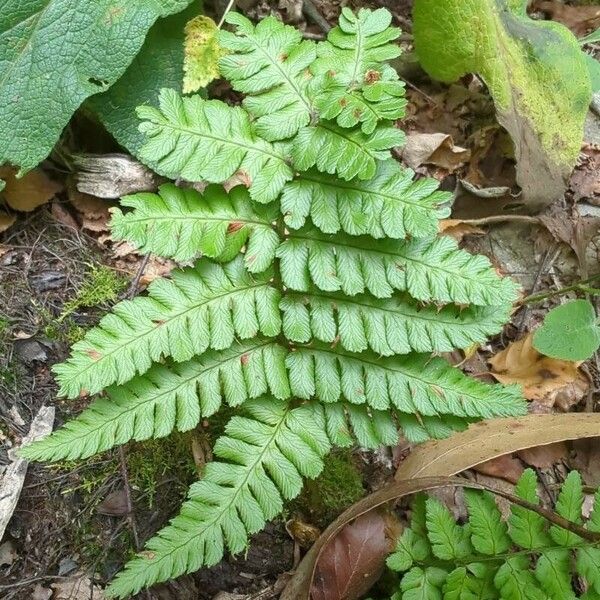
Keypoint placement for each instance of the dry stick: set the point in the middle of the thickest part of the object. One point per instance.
(227, 9)
(312, 12)
(533, 298)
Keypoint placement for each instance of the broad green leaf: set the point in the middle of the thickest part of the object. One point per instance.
(569, 332)
(158, 65)
(553, 573)
(536, 74)
(201, 53)
(56, 53)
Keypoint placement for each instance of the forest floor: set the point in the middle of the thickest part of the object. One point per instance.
(59, 272)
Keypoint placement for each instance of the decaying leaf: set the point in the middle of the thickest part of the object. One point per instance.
(30, 191)
(6, 221)
(505, 467)
(585, 182)
(434, 149)
(536, 74)
(354, 560)
(201, 53)
(93, 211)
(457, 229)
(544, 457)
(114, 505)
(547, 380)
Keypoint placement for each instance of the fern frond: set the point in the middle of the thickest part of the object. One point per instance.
(207, 140)
(391, 204)
(169, 397)
(346, 153)
(358, 86)
(490, 558)
(262, 459)
(207, 306)
(270, 63)
(181, 223)
(396, 325)
(416, 383)
(429, 269)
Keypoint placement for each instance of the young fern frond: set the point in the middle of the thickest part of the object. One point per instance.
(491, 558)
(318, 293)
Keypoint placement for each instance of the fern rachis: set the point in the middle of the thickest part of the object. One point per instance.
(318, 294)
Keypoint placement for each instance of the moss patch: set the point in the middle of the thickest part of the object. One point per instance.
(339, 485)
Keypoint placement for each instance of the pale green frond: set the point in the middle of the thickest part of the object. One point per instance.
(422, 584)
(391, 204)
(415, 383)
(422, 428)
(207, 306)
(515, 580)
(432, 269)
(397, 325)
(181, 223)
(449, 541)
(489, 533)
(262, 459)
(269, 62)
(588, 565)
(346, 153)
(527, 528)
(207, 140)
(568, 505)
(168, 397)
(553, 572)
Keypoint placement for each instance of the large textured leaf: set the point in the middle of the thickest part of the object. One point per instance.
(169, 397)
(262, 459)
(347, 154)
(56, 53)
(207, 306)
(389, 326)
(269, 64)
(391, 204)
(429, 269)
(534, 69)
(208, 140)
(415, 383)
(181, 223)
(159, 64)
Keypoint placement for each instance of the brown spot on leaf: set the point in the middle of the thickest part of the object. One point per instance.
(234, 226)
(245, 359)
(93, 354)
(372, 76)
(158, 322)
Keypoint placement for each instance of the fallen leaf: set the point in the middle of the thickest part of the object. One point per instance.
(41, 593)
(579, 19)
(584, 182)
(76, 587)
(93, 211)
(586, 459)
(8, 554)
(303, 533)
(549, 381)
(457, 229)
(63, 216)
(489, 439)
(504, 467)
(114, 505)
(434, 149)
(353, 560)
(544, 457)
(6, 221)
(30, 191)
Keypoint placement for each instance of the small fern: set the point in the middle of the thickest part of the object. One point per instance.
(523, 558)
(317, 294)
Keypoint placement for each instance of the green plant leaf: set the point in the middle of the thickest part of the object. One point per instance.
(527, 528)
(569, 332)
(158, 65)
(534, 69)
(568, 506)
(55, 54)
(488, 531)
(449, 541)
(202, 53)
(181, 223)
(208, 140)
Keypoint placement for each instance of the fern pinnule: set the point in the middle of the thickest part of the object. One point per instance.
(392, 204)
(183, 223)
(261, 462)
(202, 307)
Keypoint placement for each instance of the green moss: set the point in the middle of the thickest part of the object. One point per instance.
(339, 485)
(102, 285)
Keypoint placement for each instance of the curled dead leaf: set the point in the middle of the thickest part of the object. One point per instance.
(549, 381)
(30, 191)
(434, 149)
(6, 221)
(457, 229)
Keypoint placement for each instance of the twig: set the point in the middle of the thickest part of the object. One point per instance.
(133, 288)
(312, 12)
(227, 9)
(502, 219)
(411, 85)
(534, 298)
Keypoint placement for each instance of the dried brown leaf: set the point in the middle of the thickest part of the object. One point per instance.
(503, 467)
(434, 149)
(77, 587)
(6, 221)
(114, 505)
(579, 19)
(547, 380)
(544, 457)
(62, 215)
(457, 229)
(353, 560)
(30, 191)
